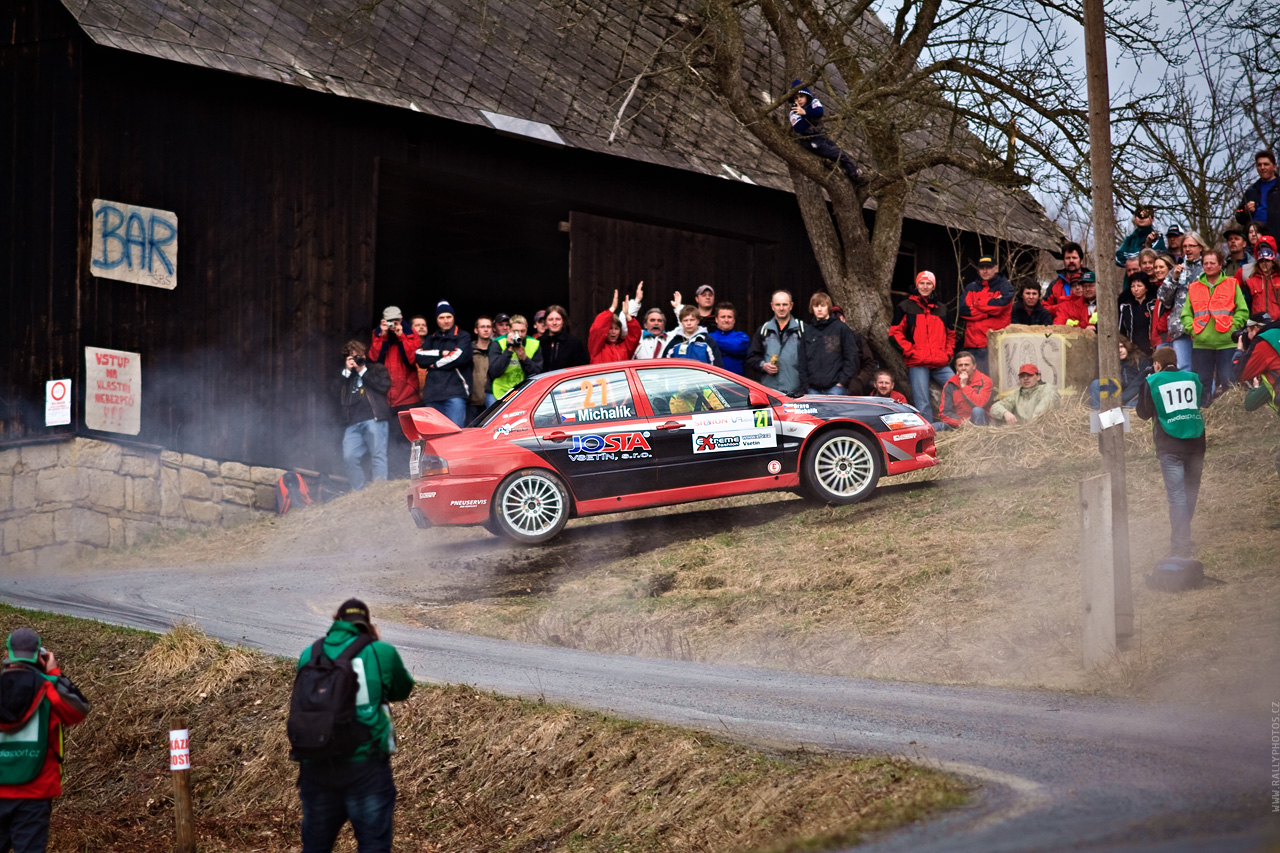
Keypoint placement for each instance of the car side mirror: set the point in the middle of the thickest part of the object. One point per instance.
(758, 398)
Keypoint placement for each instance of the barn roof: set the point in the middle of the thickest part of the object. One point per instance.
(587, 75)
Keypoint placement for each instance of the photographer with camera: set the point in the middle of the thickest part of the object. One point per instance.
(36, 702)
(362, 396)
(514, 358)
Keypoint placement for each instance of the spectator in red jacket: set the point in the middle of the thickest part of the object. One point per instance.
(614, 334)
(883, 387)
(32, 690)
(920, 327)
(966, 395)
(394, 347)
(986, 306)
(1081, 308)
(1262, 289)
(1068, 277)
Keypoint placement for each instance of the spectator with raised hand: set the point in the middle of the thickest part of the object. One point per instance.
(1028, 310)
(732, 342)
(966, 395)
(1215, 308)
(615, 332)
(1067, 277)
(1032, 399)
(1136, 308)
(986, 306)
(777, 348)
(830, 350)
(1263, 287)
(559, 348)
(1143, 236)
(921, 328)
(1261, 201)
(1173, 296)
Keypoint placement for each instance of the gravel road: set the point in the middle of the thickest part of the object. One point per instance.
(1055, 771)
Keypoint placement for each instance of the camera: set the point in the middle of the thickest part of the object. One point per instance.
(359, 360)
(513, 339)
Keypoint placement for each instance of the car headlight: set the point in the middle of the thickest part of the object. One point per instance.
(902, 420)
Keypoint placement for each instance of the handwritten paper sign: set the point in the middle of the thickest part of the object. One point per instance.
(135, 244)
(179, 749)
(113, 390)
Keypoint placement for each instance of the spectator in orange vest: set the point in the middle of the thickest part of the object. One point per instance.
(1214, 309)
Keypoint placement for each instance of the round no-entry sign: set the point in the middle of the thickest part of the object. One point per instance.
(58, 391)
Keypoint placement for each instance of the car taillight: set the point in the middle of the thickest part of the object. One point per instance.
(429, 466)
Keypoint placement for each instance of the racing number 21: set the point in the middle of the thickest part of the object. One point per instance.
(586, 386)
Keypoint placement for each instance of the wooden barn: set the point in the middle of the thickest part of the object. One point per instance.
(318, 161)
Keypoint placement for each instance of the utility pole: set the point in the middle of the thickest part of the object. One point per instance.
(1110, 439)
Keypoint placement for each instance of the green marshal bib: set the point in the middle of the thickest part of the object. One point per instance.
(1176, 394)
(22, 752)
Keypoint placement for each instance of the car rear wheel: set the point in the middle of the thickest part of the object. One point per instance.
(841, 467)
(531, 506)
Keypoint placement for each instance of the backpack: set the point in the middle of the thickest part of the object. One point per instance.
(322, 710)
(24, 741)
(290, 486)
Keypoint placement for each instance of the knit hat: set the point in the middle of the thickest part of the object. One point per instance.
(443, 307)
(925, 275)
(391, 312)
(24, 644)
(355, 611)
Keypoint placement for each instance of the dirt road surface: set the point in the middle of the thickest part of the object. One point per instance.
(1055, 771)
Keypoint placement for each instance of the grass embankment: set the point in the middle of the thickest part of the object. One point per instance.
(965, 573)
(476, 772)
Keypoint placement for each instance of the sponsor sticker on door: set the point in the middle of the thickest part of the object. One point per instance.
(719, 441)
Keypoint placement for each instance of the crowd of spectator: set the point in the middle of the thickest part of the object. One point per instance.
(1206, 302)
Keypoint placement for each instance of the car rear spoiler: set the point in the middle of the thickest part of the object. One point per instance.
(425, 423)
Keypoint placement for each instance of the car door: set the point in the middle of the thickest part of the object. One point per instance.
(589, 430)
(705, 429)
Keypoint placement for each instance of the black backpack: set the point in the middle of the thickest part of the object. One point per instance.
(322, 710)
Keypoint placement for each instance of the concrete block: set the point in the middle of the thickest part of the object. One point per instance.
(142, 494)
(59, 485)
(106, 488)
(140, 466)
(38, 456)
(170, 457)
(231, 471)
(202, 512)
(266, 476)
(136, 532)
(195, 484)
(9, 460)
(24, 491)
(116, 528)
(60, 556)
(81, 525)
(170, 493)
(238, 495)
(98, 454)
(30, 531)
(264, 497)
(6, 492)
(190, 460)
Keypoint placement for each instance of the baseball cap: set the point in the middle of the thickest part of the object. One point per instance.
(1266, 248)
(1174, 231)
(24, 644)
(704, 288)
(1028, 369)
(1088, 277)
(1260, 319)
(501, 317)
(986, 261)
(353, 610)
(538, 317)
(391, 312)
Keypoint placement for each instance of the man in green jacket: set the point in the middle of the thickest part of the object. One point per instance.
(1032, 399)
(358, 787)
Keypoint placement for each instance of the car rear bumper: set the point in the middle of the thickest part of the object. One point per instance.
(451, 500)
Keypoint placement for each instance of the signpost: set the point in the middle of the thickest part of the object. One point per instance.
(180, 767)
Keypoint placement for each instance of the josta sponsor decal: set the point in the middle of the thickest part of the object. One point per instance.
(615, 445)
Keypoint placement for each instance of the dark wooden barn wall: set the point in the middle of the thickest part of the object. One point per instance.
(40, 60)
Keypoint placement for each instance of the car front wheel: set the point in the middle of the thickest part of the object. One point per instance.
(841, 467)
(531, 506)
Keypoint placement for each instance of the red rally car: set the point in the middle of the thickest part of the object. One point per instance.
(633, 434)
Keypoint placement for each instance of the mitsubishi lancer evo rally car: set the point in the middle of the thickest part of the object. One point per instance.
(633, 434)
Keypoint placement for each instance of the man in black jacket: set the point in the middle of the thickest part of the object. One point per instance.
(1261, 202)
(446, 354)
(1028, 309)
(362, 395)
(831, 350)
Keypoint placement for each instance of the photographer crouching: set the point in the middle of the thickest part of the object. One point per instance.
(362, 394)
(36, 701)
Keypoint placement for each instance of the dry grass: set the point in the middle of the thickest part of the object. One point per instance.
(476, 772)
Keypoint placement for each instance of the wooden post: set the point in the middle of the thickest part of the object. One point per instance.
(180, 767)
(1097, 569)
(1110, 441)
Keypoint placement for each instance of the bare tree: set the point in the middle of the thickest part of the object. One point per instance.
(971, 99)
